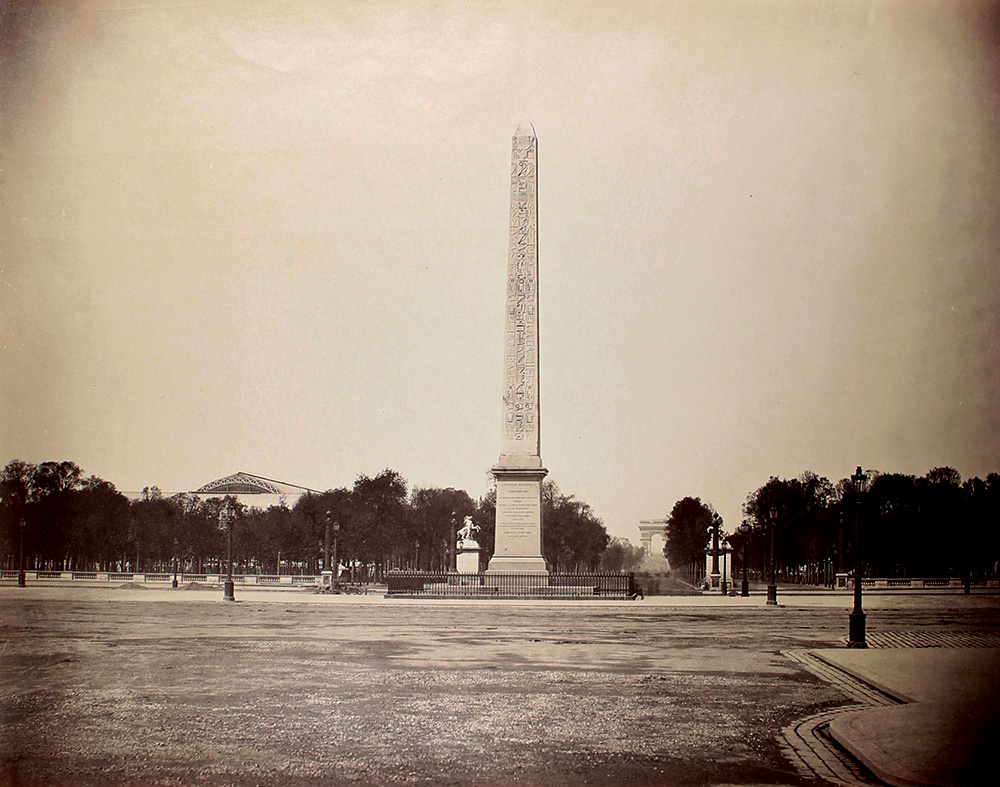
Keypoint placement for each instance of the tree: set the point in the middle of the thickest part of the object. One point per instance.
(944, 475)
(98, 515)
(945, 547)
(71, 523)
(688, 531)
(982, 501)
(803, 523)
(15, 495)
(621, 555)
(305, 542)
(573, 538)
(486, 518)
(380, 512)
(431, 513)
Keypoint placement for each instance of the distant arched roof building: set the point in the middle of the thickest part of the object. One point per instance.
(254, 491)
(648, 530)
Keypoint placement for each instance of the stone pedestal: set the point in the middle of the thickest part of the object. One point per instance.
(518, 539)
(467, 558)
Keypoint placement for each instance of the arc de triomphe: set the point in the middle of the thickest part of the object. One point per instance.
(649, 528)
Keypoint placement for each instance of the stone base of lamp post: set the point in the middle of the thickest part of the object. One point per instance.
(725, 588)
(856, 631)
(772, 595)
(20, 579)
(227, 590)
(744, 588)
(326, 582)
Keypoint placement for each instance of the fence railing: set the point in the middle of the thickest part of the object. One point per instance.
(158, 578)
(499, 585)
(846, 582)
(509, 585)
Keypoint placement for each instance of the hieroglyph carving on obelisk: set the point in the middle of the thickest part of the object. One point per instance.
(521, 432)
(519, 471)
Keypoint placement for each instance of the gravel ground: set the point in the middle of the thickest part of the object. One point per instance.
(125, 686)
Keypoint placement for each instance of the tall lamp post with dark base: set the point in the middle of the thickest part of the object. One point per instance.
(856, 627)
(333, 560)
(714, 577)
(725, 583)
(173, 584)
(227, 520)
(745, 584)
(329, 581)
(20, 561)
(772, 587)
(452, 544)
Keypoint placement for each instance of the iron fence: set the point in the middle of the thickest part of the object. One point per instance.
(428, 584)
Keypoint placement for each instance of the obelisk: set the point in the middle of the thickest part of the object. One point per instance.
(519, 471)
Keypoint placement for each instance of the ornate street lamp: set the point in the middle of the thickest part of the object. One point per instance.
(174, 583)
(334, 564)
(20, 562)
(725, 584)
(327, 572)
(745, 585)
(227, 521)
(452, 549)
(715, 554)
(856, 626)
(772, 588)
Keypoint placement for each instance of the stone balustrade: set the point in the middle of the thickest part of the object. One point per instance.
(159, 578)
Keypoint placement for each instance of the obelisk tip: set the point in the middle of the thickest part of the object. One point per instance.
(525, 130)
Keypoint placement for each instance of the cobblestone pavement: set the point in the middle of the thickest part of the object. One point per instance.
(934, 639)
(810, 746)
(121, 687)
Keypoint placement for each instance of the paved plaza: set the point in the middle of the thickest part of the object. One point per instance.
(128, 685)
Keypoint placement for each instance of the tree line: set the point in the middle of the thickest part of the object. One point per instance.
(69, 522)
(935, 525)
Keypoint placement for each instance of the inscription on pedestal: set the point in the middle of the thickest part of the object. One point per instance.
(520, 502)
(518, 542)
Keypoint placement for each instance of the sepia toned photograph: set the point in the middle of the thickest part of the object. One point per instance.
(499, 393)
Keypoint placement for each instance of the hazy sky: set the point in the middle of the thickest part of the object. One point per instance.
(271, 236)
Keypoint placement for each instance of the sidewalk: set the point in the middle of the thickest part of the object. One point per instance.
(948, 730)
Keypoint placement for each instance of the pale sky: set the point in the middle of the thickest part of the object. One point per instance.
(271, 236)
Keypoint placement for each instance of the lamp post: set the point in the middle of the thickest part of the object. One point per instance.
(174, 583)
(328, 578)
(452, 550)
(725, 584)
(227, 520)
(745, 584)
(334, 565)
(715, 555)
(772, 588)
(840, 543)
(20, 561)
(856, 626)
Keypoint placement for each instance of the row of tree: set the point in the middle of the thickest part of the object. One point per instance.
(61, 520)
(934, 525)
